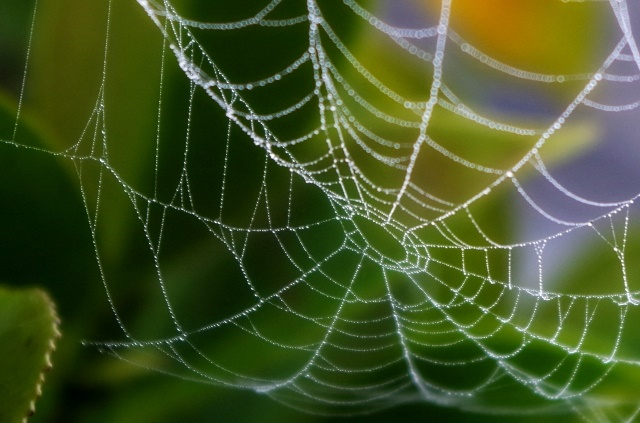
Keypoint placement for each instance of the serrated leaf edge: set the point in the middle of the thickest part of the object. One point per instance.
(48, 364)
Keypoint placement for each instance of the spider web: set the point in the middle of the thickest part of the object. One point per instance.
(353, 208)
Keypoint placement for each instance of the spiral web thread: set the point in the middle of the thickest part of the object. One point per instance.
(366, 282)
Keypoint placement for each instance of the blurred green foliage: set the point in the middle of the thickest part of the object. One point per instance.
(28, 332)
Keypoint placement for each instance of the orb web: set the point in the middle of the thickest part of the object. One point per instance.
(372, 214)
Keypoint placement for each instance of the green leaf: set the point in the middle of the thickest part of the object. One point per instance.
(28, 331)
